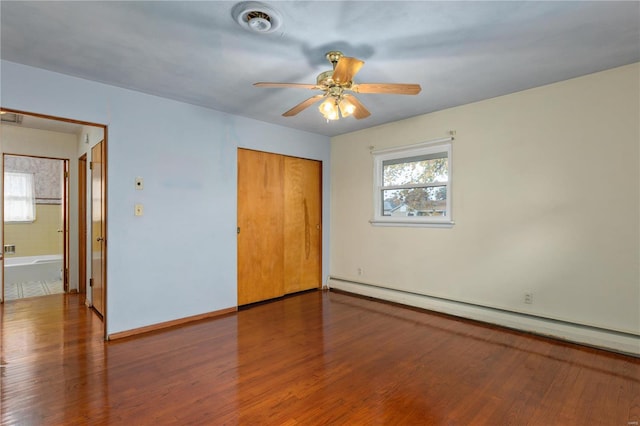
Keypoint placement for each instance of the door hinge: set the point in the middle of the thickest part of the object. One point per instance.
(90, 165)
(66, 174)
(90, 282)
(238, 229)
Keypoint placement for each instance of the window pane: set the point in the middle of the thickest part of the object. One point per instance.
(415, 170)
(430, 201)
(19, 197)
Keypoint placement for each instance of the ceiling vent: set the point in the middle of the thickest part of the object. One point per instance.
(10, 117)
(256, 17)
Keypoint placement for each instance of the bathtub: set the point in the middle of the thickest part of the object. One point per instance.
(33, 268)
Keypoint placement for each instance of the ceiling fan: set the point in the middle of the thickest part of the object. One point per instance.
(336, 83)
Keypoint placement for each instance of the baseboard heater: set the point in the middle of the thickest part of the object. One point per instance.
(601, 338)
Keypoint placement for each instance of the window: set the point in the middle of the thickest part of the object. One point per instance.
(19, 197)
(413, 185)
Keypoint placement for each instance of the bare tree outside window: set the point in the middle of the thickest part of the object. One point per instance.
(412, 185)
(425, 191)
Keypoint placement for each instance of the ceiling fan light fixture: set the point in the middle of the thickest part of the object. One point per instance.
(256, 17)
(346, 107)
(329, 109)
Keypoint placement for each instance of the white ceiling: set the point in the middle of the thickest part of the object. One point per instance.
(194, 51)
(33, 122)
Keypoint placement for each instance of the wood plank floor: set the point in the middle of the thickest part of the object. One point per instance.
(317, 358)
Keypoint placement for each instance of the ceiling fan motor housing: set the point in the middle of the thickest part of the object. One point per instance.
(325, 78)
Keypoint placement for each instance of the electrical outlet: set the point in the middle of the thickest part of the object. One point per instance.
(528, 298)
(138, 210)
(139, 183)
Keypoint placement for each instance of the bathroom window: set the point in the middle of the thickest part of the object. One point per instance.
(19, 197)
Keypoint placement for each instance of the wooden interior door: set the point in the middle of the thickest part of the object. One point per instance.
(82, 224)
(97, 227)
(302, 224)
(260, 226)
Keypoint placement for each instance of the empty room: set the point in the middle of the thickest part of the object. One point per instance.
(320, 212)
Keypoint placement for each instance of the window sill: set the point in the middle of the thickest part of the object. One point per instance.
(413, 223)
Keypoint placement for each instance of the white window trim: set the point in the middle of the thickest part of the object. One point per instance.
(381, 155)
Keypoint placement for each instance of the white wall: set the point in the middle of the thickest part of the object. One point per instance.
(23, 141)
(179, 259)
(545, 199)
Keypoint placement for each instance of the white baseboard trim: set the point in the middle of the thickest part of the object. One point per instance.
(590, 336)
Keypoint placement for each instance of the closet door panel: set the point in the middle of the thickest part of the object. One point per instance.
(261, 226)
(302, 224)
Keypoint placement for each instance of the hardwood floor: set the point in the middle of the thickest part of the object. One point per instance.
(314, 358)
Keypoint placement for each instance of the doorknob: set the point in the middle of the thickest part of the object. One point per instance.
(99, 239)
(60, 230)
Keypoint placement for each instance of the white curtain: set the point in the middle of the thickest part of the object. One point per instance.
(19, 197)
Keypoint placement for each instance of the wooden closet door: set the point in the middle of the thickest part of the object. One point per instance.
(302, 224)
(260, 226)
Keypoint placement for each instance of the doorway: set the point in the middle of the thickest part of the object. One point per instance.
(35, 226)
(44, 135)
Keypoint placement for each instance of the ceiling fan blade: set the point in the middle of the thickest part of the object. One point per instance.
(346, 69)
(294, 85)
(389, 88)
(303, 105)
(360, 112)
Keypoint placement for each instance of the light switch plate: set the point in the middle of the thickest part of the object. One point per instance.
(138, 210)
(139, 183)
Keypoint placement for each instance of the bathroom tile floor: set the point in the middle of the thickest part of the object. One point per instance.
(13, 291)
